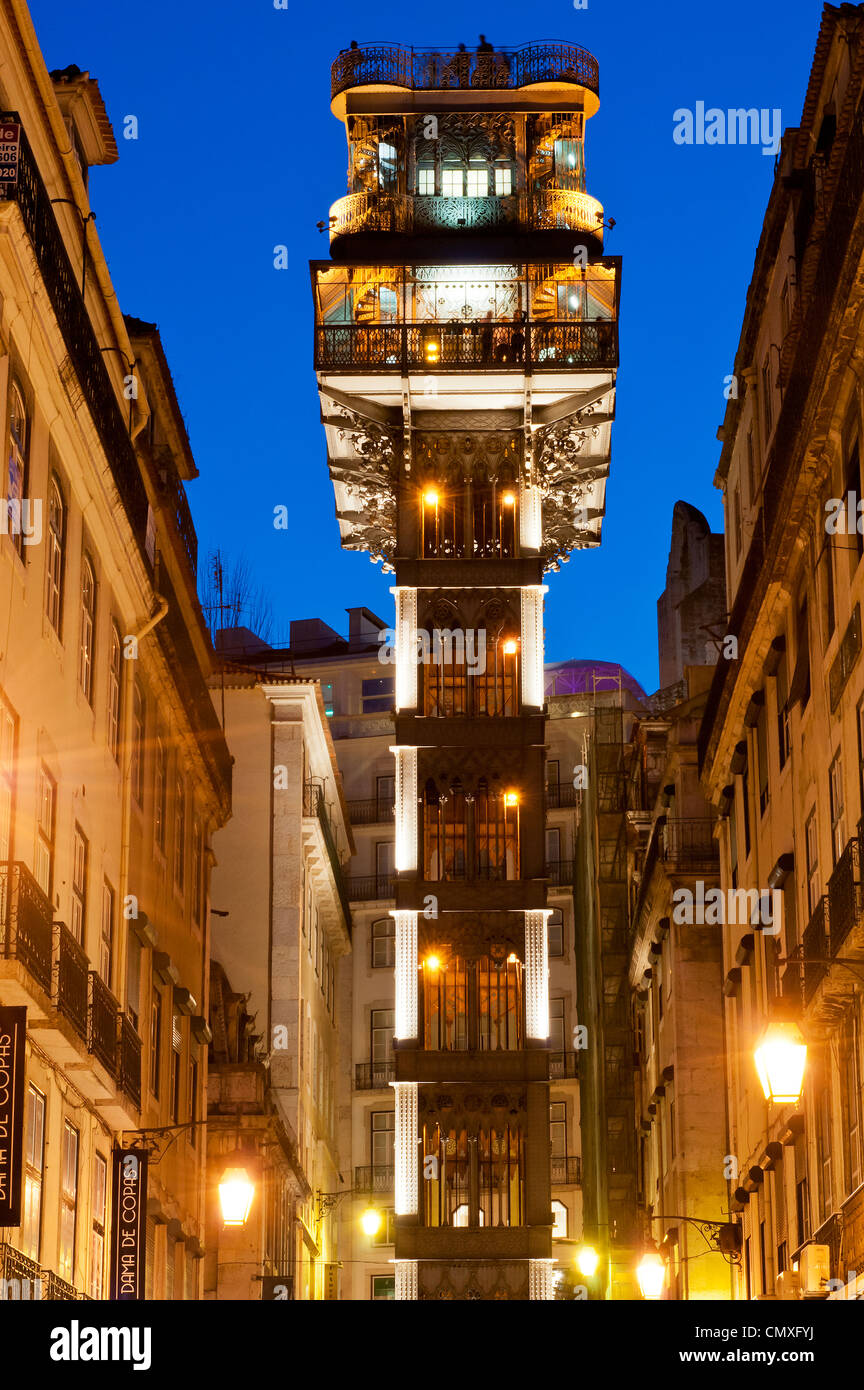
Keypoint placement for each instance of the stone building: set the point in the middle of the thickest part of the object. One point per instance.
(113, 768)
(780, 749)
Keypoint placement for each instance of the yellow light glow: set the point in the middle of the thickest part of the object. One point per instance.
(236, 1191)
(431, 349)
(430, 498)
(587, 1260)
(432, 963)
(371, 1221)
(780, 1060)
(651, 1273)
(511, 799)
(510, 648)
(512, 959)
(509, 499)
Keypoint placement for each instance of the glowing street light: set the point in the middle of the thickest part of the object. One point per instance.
(511, 798)
(587, 1260)
(651, 1273)
(431, 498)
(509, 499)
(432, 963)
(510, 648)
(236, 1191)
(371, 1221)
(780, 1060)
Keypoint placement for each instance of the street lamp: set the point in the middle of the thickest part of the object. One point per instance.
(587, 1259)
(651, 1272)
(236, 1190)
(780, 1057)
(371, 1221)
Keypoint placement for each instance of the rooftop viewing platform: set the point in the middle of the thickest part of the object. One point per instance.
(431, 69)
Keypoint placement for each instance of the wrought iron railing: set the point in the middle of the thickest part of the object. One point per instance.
(54, 1287)
(537, 347)
(554, 209)
(560, 872)
(428, 69)
(20, 1277)
(561, 794)
(102, 1014)
(374, 1178)
(371, 812)
(847, 654)
(814, 943)
(689, 841)
(176, 492)
(314, 804)
(25, 922)
(567, 1172)
(129, 1059)
(373, 1076)
(845, 895)
(369, 888)
(71, 968)
(563, 1066)
(62, 285)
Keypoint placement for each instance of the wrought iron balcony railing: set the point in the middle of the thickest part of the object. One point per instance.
(129, 1060)
(373, 1076)
(371, 812)
(314, 804)
(23, 1280)
(553, 209)
(567, 1172)
(561, 794)
(814, 943)
(25, 922)
(845, 895)
(374, 1178)
(370, 888)
(689, 842)
(428, 69)
(560, 872)
(102, 1022)
(532, 347)
(563, 1066)
(71, 968)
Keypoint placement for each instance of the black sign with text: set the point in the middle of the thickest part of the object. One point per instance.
(128, 1225)
(13, 1029)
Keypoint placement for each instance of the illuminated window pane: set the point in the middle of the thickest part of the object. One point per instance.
(426, 181)
(478, 182)
(453, 183)
(503, 182)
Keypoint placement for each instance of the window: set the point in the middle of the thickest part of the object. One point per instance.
(80, 856)
(736, 521)
(176, 1060)
(558, 1129)
(383, 1286)
(198, 870)
(823, 1147)
(34, 1171)
(555, 929)
(752, 478)
(387, 1233)
(17, 465)
(453, 183)
(378, 695)
(68, 1202)
(382, 1025)
(97, 1236)
(838, 819)
(745, 804)
(133, 977)
(383, 1137)
(811, 850)
(782, 692)
(138, 734)
(384, 867)
(762, 754)
(853, 485)
(45, 814)
(478, 181)
(155, 1041)
(385, 797)
(503, 182)
(88, 627)
(106, 935)
(801, 679)
(733, 837)
(556, 1025)
(7, 778)
(559, 1221)
(830, 609)
(383, 943)
(160, 792)
(193, 1101)
(426, 180)
(114, 668)
(54, 555)
(851, 1099)
(767, 402)
(553, 846)
(179, 834)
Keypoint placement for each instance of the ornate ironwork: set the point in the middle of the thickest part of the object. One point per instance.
(71, 969)
(845, 895)
(129, 1060)
(552, 210)
(537, 346)
(557, 209)
(814, 943)
(26, 922)
(373, 1076)
(566, 1172)
(370, 888)
(370, 812)
(431, 70)
(102, 1022)
(372, 1178)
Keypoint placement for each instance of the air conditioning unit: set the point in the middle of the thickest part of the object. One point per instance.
(788, 1285)
(814, 1271)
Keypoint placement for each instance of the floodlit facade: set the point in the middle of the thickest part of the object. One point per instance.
(113, 767)
(781, 744)
(466, 348)
(281, 957)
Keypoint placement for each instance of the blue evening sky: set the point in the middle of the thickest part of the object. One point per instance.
(238, 152)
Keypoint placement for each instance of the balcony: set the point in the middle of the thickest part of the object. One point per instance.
(373, 1076)
(70, 975)
(407, 214)
(560, 872)
(314, 804)
(845, 895)
(814, 943)
(372, 888)
(129, 1060)
(688, 844)
(427, 69)
(22, 1279)
(560, 795)
(371, 812)
(25, 922)
(377, 1178)
(563, 1066)
(102, 1011)
(551, 346)
(567, 1172)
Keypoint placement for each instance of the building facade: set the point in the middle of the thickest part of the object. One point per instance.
(114, 770)
(781, 744)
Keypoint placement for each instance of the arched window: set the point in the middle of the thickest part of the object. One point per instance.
(88, 627)
(54, 556)
(114, 667)
(17, 464)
